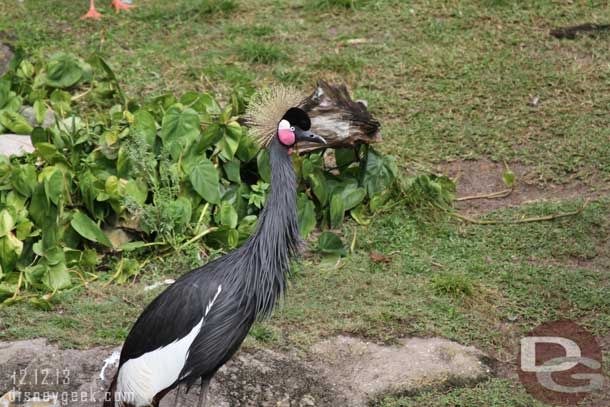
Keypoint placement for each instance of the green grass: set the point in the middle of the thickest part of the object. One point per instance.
(494, 393)
(449, 81)
(259, 53)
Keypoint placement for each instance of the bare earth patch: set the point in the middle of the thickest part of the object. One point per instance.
(480, 177)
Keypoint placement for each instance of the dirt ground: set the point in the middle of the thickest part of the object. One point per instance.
(480, 177)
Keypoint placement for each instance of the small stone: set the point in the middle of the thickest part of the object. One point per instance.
(307, 400)
(30, 115)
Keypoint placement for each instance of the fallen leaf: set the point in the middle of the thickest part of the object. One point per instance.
(377, 257)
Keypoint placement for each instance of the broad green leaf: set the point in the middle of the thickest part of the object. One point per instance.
(181, 211)
(145, 127)
(509, 178)
(230, 142)
(137, 191)
(344, 157)
(10, 250)
(330, 243)
(63, 71)
(306, 212)
(358, 214)
(57, 277)
(201, 102)
(40, 111)
(46, 151)
(6, 290)
(352, 197)
(225, 237)
(128, 268)
(247, 149)
(34, 274)
(39, 135)
(14, 244)
(330, 261)
(337, 211)
(179, 129)
(88, 229)
(23, 179)
(380, 172)
(54, 186)
(15, 122)
(5, 93)
(378, 200)
(227, 216)
(24, 230)
(232, 169)
(41, 303)
(60, 101)
(210, 136)
(204, 178)
(54, 255)
(247, 226)
(131, 246)
(123, 163)
(320, 187)
(7, 223)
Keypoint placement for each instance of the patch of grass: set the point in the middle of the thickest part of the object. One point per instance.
(231, 74)
(260, 53)
(262, 333)
(345, 4)
(185, 10)
(215, 6)
(493, 393)
(455, 285)
(257, 30)
(339, 63)
(294, 76)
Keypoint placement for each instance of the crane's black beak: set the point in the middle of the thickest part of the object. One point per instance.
(306, 135)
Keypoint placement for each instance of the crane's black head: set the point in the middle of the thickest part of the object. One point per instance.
(294, 127)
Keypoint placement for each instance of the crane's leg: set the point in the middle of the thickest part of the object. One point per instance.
(119, 5)
(92, 13)
(203, 392)
(177, 399)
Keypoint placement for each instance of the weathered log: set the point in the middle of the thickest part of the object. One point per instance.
(342, 121)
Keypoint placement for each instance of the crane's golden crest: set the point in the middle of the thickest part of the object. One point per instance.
(266, 110)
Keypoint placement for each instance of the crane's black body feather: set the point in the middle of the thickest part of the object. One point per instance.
(252, 277)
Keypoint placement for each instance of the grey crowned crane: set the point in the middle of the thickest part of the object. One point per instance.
(196, 325)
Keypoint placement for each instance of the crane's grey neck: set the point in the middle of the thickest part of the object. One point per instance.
(276, 239)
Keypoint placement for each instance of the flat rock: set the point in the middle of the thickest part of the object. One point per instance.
(365, 371)
(342, 371)
(251, 378)
(14, 144)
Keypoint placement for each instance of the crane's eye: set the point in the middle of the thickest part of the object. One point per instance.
(292, 129)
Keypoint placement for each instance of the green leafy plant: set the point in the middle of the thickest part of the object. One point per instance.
(157, 175)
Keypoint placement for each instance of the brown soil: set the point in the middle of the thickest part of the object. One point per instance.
(484, 177)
